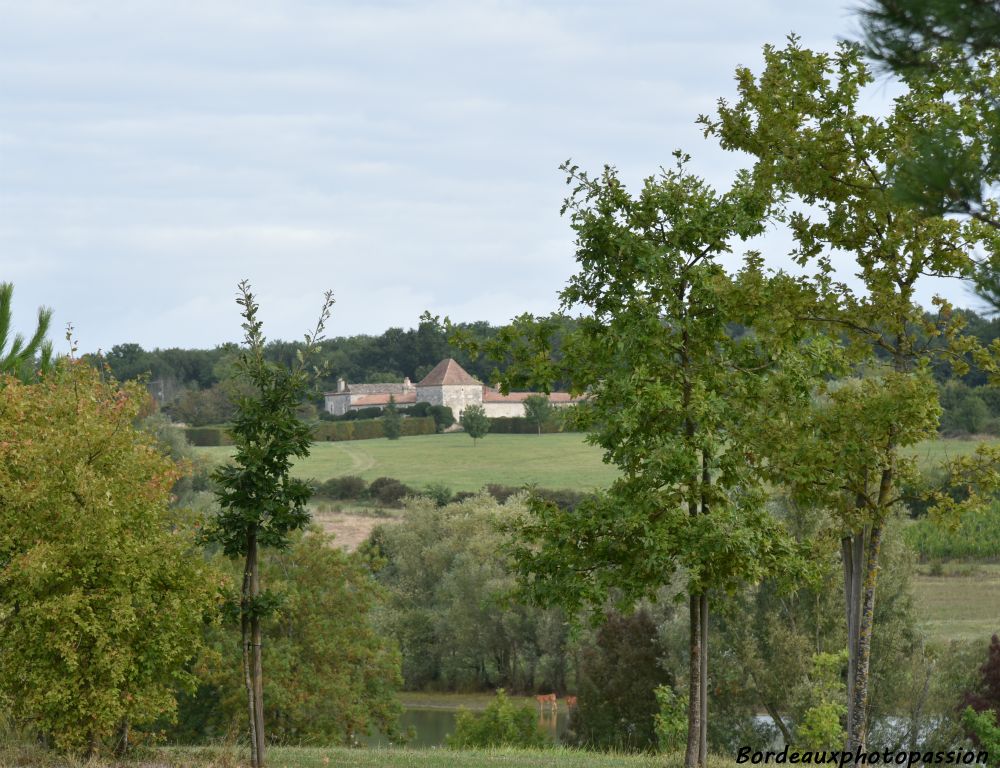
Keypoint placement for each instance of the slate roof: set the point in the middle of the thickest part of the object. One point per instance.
(448, 373)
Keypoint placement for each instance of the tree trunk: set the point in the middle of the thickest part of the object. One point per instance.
(252, 663)
(703, 733)
(692, 757)
(853, 554)
(856, 727)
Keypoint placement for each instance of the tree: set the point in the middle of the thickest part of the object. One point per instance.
(953, 163)
(392, 422)
(103, 593)
(326, 615)
(618, 677)
(840, 446)
(475, 422)
(666, 388)
(537, 410)
(19, 357)
(260, 503)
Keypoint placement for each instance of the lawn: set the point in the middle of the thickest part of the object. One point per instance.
(560, 460)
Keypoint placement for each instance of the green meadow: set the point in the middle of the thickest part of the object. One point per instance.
(561, 460)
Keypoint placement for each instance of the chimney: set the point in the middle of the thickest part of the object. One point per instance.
(341, 385)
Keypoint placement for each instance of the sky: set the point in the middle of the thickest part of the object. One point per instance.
(403, 154)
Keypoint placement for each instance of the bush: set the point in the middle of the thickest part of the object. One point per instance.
(388, 491)
(439, 492)
(340, 488)
(563, 498)
(502, 724)
(207, 436)
(443, 417)
(617, 686)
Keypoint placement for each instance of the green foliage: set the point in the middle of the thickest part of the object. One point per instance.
(392, 422)
(102, 593)
(341, 488)
(475, 422)
(439, 492)
(820, 727)
(538, 410)
(448, 608)
(331, 676)
(502, 724)
(670, 721)
(19, 359)
(388, 491)
(974, 536)
(208, 436)
(372, 429)
(618, 678)
(257, 496)
(983, 725)
(519, 425)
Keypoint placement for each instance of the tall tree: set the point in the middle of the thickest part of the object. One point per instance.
(665, 386)
(841, 446)
(19, 357)
(260, 503)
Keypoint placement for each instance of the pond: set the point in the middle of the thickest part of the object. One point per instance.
(431, 726)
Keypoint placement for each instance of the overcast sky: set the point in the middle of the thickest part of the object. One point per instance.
(403, 154)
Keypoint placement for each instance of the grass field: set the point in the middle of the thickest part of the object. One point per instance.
(342, 757)
(560, 460)
(962, 604)
(550, 461)
(933, 451)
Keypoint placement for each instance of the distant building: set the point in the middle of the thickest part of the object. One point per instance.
(447, 384)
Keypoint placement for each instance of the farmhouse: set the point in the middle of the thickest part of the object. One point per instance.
(447, 384)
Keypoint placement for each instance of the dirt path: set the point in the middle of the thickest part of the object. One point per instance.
(349, 530)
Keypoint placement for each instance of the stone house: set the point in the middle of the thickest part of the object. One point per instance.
(447, 384)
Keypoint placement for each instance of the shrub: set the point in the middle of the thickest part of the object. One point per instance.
(502, 724)
(340, 488)
(618, 678)
(439, 492)
(207, 436)
(388, 491)
(443, 417)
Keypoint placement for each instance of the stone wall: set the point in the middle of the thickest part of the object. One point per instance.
(497, 410)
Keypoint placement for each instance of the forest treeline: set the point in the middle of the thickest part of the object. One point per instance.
(190, 384)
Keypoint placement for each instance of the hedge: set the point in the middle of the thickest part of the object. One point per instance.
(519, 425)
(207, 436)
(327, 430)
(371, 429)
